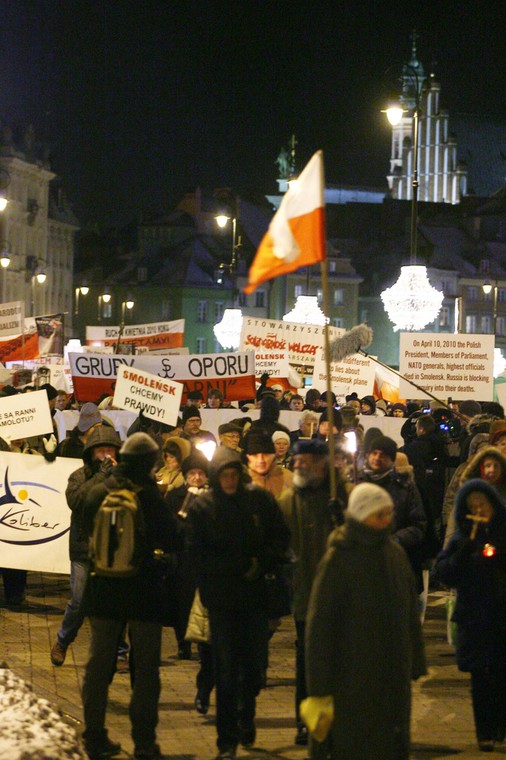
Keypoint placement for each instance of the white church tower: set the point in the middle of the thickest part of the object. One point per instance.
(441, 178)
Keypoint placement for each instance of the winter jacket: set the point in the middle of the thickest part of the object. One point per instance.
(479, 575)
(311, 520)
(364, 642)
(138, 597)
(276, 481)
(235, 539)
(81, 482)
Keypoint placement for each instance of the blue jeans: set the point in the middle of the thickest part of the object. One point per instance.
(239, 640)
(73, 618)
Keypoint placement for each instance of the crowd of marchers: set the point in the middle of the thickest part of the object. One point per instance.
(239, 531)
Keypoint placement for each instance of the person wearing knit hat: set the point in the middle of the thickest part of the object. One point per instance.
(73, 445)
(192, 431)
(410, 521)
(282, 443)
(368, 405)
(497, 434)
(347, 655)
(135, 601)
(311, 515)
(397, 410)
(263, 468)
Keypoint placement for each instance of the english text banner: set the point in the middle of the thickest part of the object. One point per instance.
(448, 366)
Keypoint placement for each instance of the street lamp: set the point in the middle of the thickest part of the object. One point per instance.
(228, 330)
(487, 288)
(412, 302)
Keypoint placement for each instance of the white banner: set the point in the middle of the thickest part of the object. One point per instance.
(274, 340)
(159, 399)
(448, 366)
(25, 415)
(34, 515)
(153, 335)
(12, 317)
(355, 373)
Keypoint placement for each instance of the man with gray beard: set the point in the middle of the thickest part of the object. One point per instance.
(311, 516)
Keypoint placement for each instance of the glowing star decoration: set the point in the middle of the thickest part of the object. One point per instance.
(412, 303)
(306, 312)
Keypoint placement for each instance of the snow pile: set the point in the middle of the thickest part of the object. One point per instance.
(30, 729)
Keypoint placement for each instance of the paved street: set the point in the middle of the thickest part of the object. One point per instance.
(442, 719)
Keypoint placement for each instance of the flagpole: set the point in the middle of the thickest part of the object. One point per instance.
(330, 405)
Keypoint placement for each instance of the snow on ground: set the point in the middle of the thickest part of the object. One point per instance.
(30, 729)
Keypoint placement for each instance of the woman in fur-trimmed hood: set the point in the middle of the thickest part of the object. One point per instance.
(489, 464)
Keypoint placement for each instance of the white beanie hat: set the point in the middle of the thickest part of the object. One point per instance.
(280, 434)
(367, 498)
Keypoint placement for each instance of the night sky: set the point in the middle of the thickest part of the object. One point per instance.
(142, 101)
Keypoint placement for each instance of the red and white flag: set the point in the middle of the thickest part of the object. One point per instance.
(296, 234)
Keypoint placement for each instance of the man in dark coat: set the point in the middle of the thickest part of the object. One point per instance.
(237, 535)
(410, 522)
(364, 639)
(99, 455)
(311, 518)
(111, 603)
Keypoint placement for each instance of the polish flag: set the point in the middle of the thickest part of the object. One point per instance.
(296, 234)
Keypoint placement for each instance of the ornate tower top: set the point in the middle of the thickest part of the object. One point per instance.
(413, 77)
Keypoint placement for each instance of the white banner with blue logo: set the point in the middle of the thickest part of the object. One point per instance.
(34, 515)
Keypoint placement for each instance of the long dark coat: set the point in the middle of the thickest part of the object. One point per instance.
(480, 580)
(364, 643)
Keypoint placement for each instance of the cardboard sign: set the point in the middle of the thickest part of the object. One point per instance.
(159, 399)
(25, 415)
(154, 335)
(233, 373)
(274, 340)
(355, 373)
(34, 515)
(448, 366)
(12, 318)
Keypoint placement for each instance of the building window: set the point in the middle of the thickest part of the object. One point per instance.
(486, 324)
(501, 295)
(201, 345)
(500, 326)
(319, 295)
(363, 315)
(260, 299)
(332, 264)
(338, 322)
(470, 323)
(242, 299)
(166, 309)
(106, 310)
(338, 297)
(485, 266)
(446, 286)
(472, 293)
(298, 290)
(142, 274)
(444, 317)
(218, 311)
(202, 311)
(488, 296)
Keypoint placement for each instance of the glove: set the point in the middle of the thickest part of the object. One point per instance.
(318, 715)
(50, 444)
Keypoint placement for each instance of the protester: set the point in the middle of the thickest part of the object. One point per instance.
(230, 435)
(174, 450)
(364, 641)
(311, 517)
(368, 406)
(263, 468)
(99, 455)
(214, 399)
(474, 563)
(192, 430)
(237, 535)
(410, 522)
(308, 425)
(282, 444)
(113, 603)
(89, 419)
(194, 469)
(296, 403)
